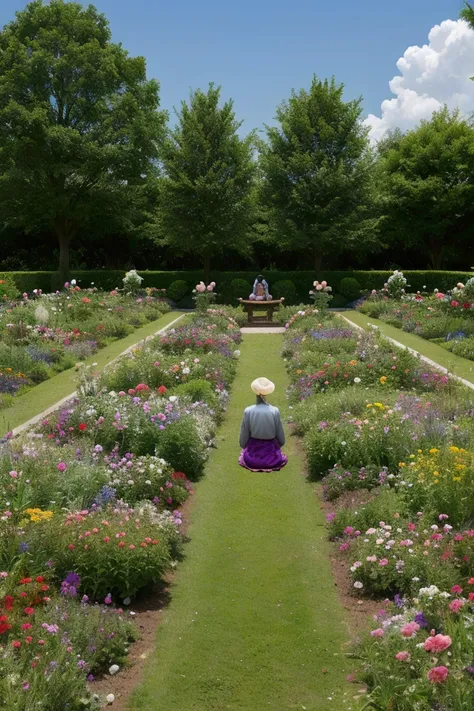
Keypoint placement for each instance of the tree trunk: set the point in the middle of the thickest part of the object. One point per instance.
(207, 268)
(318, 262)
(65, 232)
(436, 248)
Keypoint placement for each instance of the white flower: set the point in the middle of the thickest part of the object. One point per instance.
(173, 398)
(73, 282)
(356, 380)
(114, 669)
(110, 698)
(236, 354)
(358, 585)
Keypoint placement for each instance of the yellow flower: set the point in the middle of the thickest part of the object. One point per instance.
(370, 405)
(37, 515)
(457, 478)
(379, 405)
(454, 449)
(434, 451)
(352, 362)
(383, 379)
(401, 465)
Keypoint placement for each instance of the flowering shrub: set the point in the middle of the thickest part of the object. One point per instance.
(204, 296)
(45, 334)
(116, 551)
(321, 295)
(339, 480)
(132, 282)
(418, 655)
(395, 286)
(440, 480)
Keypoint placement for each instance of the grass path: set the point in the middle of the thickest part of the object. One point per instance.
(51, 391)
(461, 367)
(254, 622)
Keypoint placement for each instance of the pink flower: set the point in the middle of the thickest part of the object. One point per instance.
(438, 643)
(456, 589)
(377, 633)
(410, 629)
(456, 605)
(403, 656)
(61, 467)
(108, 599)
(438, 675)
(383, 562)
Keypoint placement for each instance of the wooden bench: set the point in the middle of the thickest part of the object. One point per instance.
(267, 307)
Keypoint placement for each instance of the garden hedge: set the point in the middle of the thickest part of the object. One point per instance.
(303, 280)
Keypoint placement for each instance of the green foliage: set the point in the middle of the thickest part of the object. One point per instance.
(285, 289)
(8, 289)
(206, 193)
(237, 289)
(79, 124)
(317, 169)
(350, 288)
(198, 390)
(338, 301)
(177, 290)
(425, 179)
(181, 446)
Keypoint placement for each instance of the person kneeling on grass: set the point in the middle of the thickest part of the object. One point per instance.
(261, 432)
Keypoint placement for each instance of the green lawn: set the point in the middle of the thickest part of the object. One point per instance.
(49, 392)
(456, 365)
(254, 622)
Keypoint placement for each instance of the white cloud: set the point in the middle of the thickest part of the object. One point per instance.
(430, 76)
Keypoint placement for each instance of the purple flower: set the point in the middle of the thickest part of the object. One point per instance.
(420, 619)
(399, 600)
(108, 599)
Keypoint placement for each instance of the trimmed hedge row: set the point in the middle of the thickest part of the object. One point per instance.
(302, 280)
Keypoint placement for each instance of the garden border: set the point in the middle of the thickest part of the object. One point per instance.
(400, 344)
(34, 420)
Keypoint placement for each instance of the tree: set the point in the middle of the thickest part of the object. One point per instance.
(467, 13)
(79, 123)
(317, 167)
(428, 184)
(206, 194)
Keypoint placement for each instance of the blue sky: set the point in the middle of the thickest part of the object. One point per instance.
(258, 50)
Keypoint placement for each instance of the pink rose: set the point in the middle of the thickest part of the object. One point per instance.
(377, 633)
(410, 629)
(438, 643)
(438, 675)
(403, 656)
(456, 605)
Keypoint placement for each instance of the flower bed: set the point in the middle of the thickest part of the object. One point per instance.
(90, 509)
(392, 442)
(446, 318)
(44, 334)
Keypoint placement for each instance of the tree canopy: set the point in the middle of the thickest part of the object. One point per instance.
(428, 184)
(79, 123)
(317, 168)
(205, 205)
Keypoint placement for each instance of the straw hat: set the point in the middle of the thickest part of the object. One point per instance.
(263, 386)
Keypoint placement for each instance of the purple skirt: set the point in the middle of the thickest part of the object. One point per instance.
(263, 455)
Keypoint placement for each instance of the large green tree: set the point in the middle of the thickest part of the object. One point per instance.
(467, 13)
(427, 179)
(318, 167)
(206, 199)
(79, 124)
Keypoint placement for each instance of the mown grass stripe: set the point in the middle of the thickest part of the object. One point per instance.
(254, 622)
(52, 391)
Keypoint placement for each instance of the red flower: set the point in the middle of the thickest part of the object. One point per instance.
(16, 644)
(8, 601)
(4, 626)
(25, 581)
(29, 611)
(29, 639)
(39, 579)
(162, 390)
(179, 475)
(82, 426)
